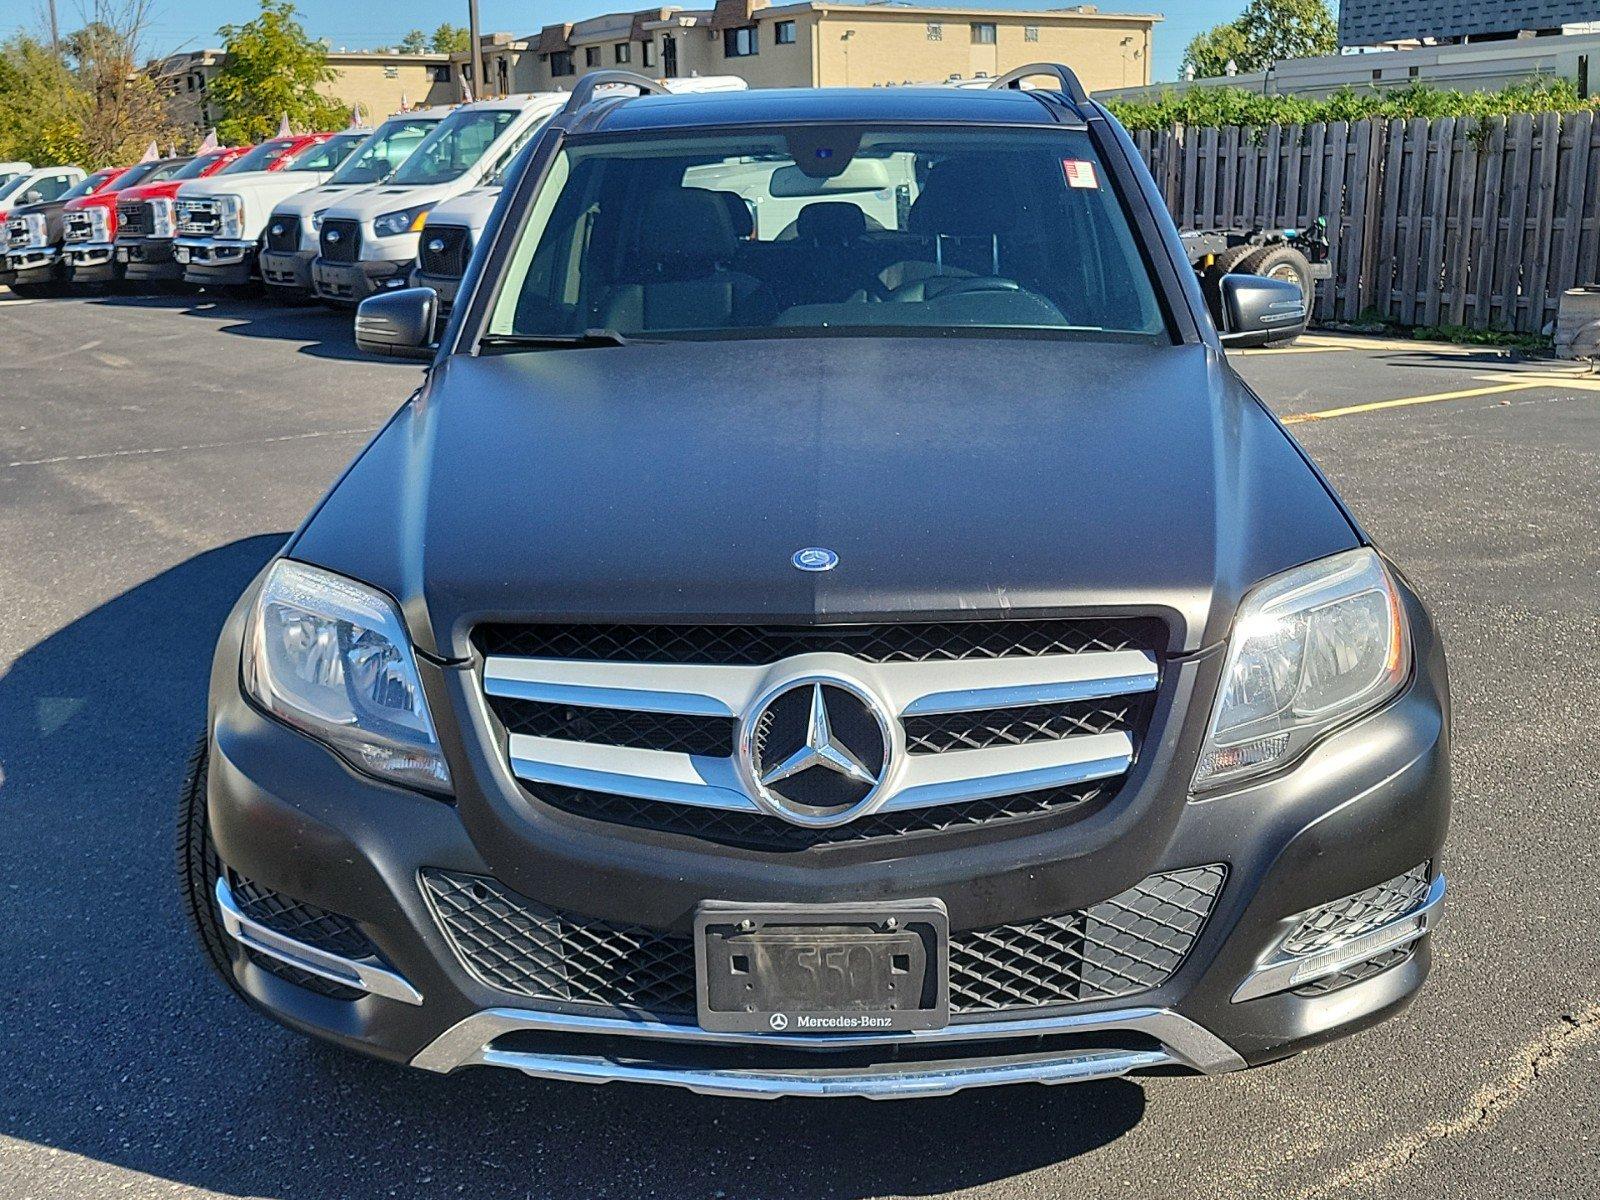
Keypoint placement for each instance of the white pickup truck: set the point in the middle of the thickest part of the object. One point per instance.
(290, 242)
(221, 218)
(368, 242)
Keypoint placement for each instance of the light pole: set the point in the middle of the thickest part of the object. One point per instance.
(478, 89)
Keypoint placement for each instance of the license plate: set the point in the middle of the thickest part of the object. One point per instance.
(806, 968)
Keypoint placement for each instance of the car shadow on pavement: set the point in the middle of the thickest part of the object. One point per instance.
(125, 1054)
(324, 332)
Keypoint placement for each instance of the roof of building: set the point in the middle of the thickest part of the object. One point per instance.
(782, 106)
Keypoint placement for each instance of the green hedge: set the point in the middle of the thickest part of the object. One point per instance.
(1234, 106)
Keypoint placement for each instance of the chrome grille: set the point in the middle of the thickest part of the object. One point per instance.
(1338, 922)
(633, 723)
(81, 226)
(283, 234)
(445, 250)
(1130, 943)
(340, 240)
(134, 219)
(18, 234)
(198, 218)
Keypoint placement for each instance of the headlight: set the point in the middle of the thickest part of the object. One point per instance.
(407, 220)
(230, 216)
(161, 222)
(332, 658)
(1311, 648)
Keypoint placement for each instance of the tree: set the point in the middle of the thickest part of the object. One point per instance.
(1268, 31)
(450, 39)
(415, 42)
(272, 68)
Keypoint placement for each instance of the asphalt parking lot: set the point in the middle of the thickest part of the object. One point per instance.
(154, 452)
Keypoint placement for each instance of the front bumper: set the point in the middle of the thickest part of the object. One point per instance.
(91, 262)
(351, 283)
(36, 264)
(217, 262)
(1368, 804)
(445, 286)
(148, 260)
(289, 270)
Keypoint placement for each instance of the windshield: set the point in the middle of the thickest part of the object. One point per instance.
(328, 155)
(454, 147)
(88, 184)
(10, 185)
(188, 168)
(260, 158)
(812, 231)
(384, 151)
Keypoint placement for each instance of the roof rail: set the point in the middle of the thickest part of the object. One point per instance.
(583, 91)
(1070, 86)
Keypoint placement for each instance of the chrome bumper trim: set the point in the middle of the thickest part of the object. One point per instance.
(365, 976)
(209, 251)
(1184, 1043)
(32, 257)
(1281, 972)
(88, 254)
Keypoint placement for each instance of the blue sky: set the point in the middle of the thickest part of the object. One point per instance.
(359, 24)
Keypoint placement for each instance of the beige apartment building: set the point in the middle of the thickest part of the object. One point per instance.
(820, 44)
(379, 81)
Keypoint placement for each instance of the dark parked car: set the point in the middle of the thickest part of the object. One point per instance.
(831, 623)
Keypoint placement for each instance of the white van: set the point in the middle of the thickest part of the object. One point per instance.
(289, 243)
(368, 242)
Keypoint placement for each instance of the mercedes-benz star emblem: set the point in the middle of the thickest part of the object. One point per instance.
(778, 1021)
(815, 558)
(815, 751)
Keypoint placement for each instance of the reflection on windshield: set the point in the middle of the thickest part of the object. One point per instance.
(455, 147)
(384, 151)
(893, 230)
(328, 155)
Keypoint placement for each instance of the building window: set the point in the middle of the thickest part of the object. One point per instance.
(783, 33)
(391, 72)
(591, 56)
(561, 63)
(647, 54)
(624, 52)
(739, 43)
(502, 72)
(935, 31)
(983, 33)
(1030, 33)
(441, 74)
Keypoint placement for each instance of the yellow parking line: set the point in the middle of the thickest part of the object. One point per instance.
(1407, 401)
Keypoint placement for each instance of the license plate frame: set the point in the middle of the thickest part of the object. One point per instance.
(822, 968)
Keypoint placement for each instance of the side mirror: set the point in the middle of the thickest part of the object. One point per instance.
(399, 324)
(1257, 310)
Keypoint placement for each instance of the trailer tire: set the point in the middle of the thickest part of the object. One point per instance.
(1289, 265)
(1211, 278)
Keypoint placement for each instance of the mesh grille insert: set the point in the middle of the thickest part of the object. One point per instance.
(450, 258)
(757, 831)
(283, 234)
(340, 240)
(1359, 973)
(1358, 914)
(305, 923)
(617, 727)
(939, 732)
(763, 644)
(1130, 943)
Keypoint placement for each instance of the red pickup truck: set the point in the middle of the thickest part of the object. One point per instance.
(146, 220)
(89, 223)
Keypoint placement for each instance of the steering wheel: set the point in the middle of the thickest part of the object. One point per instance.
(942, 286)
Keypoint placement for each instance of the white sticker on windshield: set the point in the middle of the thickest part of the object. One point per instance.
(1080, 174)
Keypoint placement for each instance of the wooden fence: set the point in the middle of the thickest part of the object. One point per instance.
(1457, 221)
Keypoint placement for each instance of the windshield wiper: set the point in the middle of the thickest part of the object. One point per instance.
(555, 341)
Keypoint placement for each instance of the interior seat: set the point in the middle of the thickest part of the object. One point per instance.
(965, 207)
(689, 243)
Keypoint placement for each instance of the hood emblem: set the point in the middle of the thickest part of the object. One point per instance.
(815, 558)
(815, 751)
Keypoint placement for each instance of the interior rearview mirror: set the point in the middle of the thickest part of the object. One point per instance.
(1257, 311)
(399, 324)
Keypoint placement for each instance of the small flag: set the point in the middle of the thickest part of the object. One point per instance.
(466, 88)
(355, 115)
(283, 126)
(405, 105)
(152, 152)
(210, 142)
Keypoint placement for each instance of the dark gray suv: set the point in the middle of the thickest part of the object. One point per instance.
(831, 623)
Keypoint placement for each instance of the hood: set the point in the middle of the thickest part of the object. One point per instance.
(148, 191)
(253, 183)
(953, 477)
(99, 199)
(312, 200)
(380, 198)
(471, 209)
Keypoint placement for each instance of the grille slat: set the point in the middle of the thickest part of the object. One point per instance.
(344, 246)
(450, 258)
(1131, 943)
(759, 645)
(134, 219)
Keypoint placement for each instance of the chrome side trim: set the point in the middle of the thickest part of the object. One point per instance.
(1281, 972)
(367, 976)
(914, 781)
(903, 1084)
(471, 1040)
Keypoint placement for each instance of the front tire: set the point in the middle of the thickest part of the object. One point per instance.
(199, 868)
